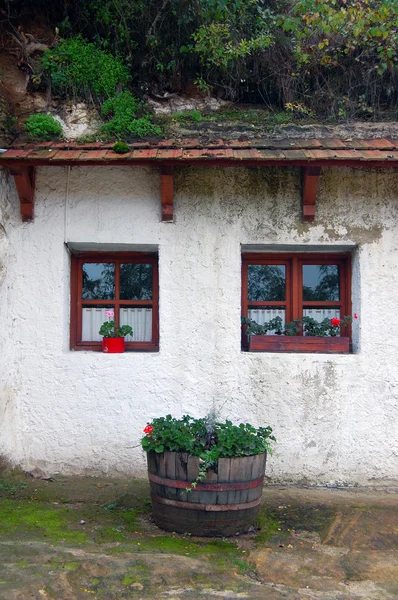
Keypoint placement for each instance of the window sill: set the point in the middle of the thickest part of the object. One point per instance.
(129, 347)
(317, 345)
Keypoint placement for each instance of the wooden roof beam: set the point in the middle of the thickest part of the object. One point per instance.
(310, 187)
(167, 193)
(24, 178)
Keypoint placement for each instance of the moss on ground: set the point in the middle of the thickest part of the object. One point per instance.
(42, 520)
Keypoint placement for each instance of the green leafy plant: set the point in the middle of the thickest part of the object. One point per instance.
(42, 126)
(309, 326)
(121, 148)
(127, 116)
(109, 329)
(79, 69)
(206, 438)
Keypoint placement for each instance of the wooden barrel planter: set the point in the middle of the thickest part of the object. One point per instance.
(227, 502)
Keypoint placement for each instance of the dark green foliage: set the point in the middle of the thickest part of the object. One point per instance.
(309, 326)
(42, 127)
(127, 117)
(330, 58)
(121, 148)
(110, 330)
(79, 69)
(205, 437)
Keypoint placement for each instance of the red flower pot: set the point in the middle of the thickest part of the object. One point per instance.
(113, 345)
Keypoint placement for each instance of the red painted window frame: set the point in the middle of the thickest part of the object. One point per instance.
(77, 260)
(294, 303)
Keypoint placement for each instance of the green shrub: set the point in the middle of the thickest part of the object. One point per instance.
(127, 117)
(79, 69)
(42, 126)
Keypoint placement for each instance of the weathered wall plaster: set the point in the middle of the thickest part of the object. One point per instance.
(79, 412)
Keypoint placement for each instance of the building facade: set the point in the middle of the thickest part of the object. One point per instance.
(71, 409)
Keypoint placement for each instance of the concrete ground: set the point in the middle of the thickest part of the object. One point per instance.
(77, 538)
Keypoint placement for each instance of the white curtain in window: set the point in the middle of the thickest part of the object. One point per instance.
(263, 315)
(92, 321)
(139, 319)
(322, 313)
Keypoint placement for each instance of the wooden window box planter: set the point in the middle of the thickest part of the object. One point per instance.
(282, 343)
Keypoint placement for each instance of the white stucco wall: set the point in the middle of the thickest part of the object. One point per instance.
(334, 416)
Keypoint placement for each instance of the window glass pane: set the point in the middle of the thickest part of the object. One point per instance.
(266, 282)
(267, 313)
(321, 282)
(98, 281)
(140, 320)
(135, 281)
(92, 319)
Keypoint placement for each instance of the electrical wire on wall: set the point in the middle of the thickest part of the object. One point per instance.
(66, 212)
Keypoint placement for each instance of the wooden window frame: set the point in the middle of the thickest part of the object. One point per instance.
(77, 260)
(294, 304)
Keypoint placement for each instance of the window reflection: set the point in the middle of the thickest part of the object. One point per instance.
(98, 281)
(266, 282)
(136, 281)
(321, 282)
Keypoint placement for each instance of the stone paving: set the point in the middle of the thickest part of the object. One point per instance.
(78, 538)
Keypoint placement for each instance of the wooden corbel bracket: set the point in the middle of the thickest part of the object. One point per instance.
(167, 191)
(25, 183)
(310, 187)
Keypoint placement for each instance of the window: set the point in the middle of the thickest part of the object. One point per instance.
(127, 283)
(291, 286)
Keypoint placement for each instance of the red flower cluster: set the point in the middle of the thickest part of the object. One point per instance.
(148, 429)
(336, 322)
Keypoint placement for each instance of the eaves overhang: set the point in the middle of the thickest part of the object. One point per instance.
(309, 154)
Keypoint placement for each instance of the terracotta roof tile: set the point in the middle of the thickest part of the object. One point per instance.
(194, 153)
(16, 153)
(278, 144)
(39, 153)
(145, 153)
(245, 154)
(352, 154)
(169, 153)
(382, 144)
(93, 154)
(308, 143)
(372, 155)
(191, 143)
(139, 145)
(355, 143)
(67, 155)
(271, 154)
(165, 143)
(215, 143)
(296, 151)
(295, 154)
(332, 143)
(91, 145)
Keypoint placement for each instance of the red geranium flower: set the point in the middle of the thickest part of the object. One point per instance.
(148, 429)
(355, 316)
(336, 322)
